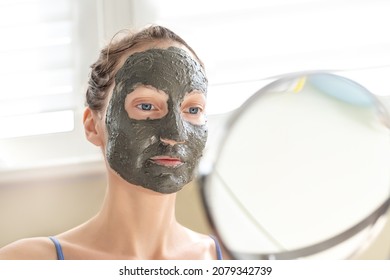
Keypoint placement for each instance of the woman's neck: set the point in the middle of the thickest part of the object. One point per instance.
(136, 221)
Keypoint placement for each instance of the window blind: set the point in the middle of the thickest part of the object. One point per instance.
(37, 67)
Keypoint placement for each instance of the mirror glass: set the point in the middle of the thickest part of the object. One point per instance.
(302, 170)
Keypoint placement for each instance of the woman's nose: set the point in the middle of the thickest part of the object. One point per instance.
(171, 142)
(173, 131)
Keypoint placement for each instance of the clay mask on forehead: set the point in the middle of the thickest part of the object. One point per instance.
(134, 144)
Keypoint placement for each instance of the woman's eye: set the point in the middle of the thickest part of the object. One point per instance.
(193, 110)
(145, 106)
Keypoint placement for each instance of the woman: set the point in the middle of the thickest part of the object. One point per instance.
(146, 111)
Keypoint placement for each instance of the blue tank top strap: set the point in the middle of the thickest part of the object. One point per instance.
(217, 247)
(60, 254)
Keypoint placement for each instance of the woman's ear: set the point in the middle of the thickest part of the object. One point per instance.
(93, 131)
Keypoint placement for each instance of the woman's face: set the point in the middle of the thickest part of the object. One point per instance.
(155, 119)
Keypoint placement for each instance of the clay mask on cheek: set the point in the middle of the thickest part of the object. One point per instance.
(134, 147)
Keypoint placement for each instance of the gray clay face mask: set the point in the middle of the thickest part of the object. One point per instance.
(133, 143)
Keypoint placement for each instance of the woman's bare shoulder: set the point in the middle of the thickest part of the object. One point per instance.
(213, 246)
(37, 248)
(199, 245)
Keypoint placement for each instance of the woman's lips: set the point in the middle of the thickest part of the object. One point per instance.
(167, 161)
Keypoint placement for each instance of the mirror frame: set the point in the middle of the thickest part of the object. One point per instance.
(203, 176)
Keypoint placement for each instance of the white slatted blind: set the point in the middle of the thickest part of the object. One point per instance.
(37, 67)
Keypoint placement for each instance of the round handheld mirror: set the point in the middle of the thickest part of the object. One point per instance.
(302, 170)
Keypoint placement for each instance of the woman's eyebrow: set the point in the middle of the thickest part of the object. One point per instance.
(194, 92)
(139, 85)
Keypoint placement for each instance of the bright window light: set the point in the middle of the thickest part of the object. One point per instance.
(35, 124)
(37, 67)
(251, 40)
